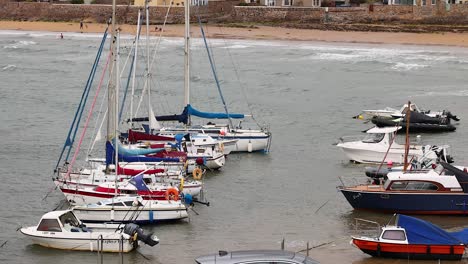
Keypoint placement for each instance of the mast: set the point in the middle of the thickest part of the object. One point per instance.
(148, 59)
(407, 141)
(116, 107)
(134, 67)
(187, 57)
(111, 95)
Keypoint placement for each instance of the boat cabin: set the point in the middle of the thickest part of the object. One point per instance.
(421, 181)
(380, 135)
(60, 221)
(393, 234)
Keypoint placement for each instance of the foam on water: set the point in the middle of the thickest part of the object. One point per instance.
(9, 67)
(400, 66)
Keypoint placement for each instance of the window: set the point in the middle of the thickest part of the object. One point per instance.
(433, 2)
(51, 225)
(413, 186)
(424, 2)
(128, 203)
(399, 185)
(200, 151)
(287, 2)
(394, 235)
(373, 138)
(116, 204)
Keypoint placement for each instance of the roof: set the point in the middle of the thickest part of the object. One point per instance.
(447, 181)
(55, 214)
(378, 130)
(252, 255)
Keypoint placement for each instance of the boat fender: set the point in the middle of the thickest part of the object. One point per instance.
(221, 146)
(172, 194)
(451, 250)
(188, 199)
(378, 250)
(197, 174)
(181, 185)
(428, 250)
(135, 236)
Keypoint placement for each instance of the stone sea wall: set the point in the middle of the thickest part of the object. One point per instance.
(228, 12)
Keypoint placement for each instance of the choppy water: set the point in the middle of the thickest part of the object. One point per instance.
(306, 91)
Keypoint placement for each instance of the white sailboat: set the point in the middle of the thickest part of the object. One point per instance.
(246, 140)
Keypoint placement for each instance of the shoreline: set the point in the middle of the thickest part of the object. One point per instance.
(257, 33)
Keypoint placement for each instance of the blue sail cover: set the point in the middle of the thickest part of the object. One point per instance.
(195, 112)
(136, 152)
(110, 157)
(422, 232)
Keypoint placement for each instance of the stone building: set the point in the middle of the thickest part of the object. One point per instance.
(168, 2)
(286, 3)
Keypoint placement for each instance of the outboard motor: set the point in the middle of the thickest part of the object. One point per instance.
(454, 117)
(149, 239)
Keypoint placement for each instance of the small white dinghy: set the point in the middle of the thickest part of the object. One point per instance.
(63, 230)
(131, 209)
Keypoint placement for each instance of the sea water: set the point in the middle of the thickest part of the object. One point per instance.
(306, 92)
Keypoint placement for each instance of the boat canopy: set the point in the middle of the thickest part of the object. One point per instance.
(422, 232)
(384, 130)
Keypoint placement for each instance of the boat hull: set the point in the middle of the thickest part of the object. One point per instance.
(408, 203)
(81, 241)
(377, 156)
(410, 251)
(143, 216)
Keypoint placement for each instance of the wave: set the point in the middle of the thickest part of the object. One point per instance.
(400, 66)
(19, 44)
(9, 67)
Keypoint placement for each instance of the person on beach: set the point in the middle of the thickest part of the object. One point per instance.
(81, 24)
(61, 35)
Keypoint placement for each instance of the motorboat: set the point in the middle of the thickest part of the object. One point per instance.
(439, 191)
(412, 238)
(396, 113)
(134, 209)
(63, 230)
(379, 146)
(418, 122)
(431, 158)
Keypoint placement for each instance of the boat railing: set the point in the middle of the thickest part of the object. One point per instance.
(345, 139)
(356, 181)
(364, 227)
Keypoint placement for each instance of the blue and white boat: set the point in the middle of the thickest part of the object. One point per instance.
(443, 191)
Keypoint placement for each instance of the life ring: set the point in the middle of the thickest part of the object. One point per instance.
(221, 146)
(172, 194)
(197, 174)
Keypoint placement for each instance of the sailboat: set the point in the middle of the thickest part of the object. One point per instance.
(63, 230)
(246, 140)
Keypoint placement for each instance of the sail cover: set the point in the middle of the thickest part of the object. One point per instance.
(195, 112)
(422, 232)
(110, 157)
(188, 111)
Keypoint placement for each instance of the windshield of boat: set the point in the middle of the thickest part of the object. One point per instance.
(69, 218)
(394, 235)
(373, 138)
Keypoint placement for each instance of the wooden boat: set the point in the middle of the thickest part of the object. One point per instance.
(63, 230)
(443, 190)
(413, 238)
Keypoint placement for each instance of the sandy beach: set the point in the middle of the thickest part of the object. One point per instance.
(259, 33)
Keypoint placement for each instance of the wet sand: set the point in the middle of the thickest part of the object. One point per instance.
(259, 33)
